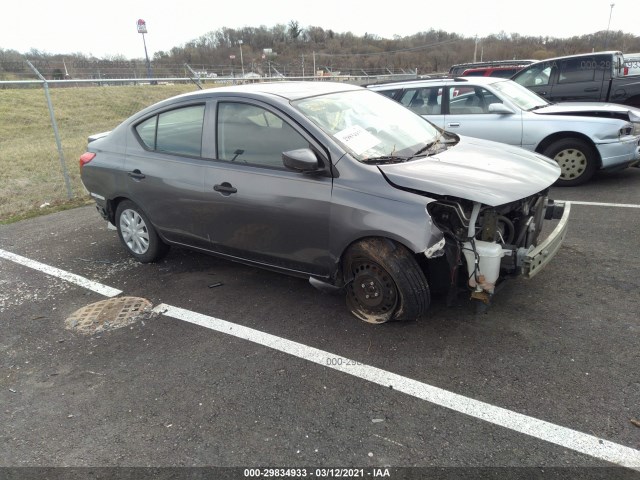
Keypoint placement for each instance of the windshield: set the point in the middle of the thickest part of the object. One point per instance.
(519, 95)
(369, 125)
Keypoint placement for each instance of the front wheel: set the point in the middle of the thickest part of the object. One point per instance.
(576, 158)
(137, 233)
(385, 282)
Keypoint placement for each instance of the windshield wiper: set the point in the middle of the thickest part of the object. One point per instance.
(427, 147)
(539, 106)
(385, 159)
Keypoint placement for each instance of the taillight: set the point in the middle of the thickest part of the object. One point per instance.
(86, 158)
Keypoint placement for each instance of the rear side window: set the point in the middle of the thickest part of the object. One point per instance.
(423, 100)
(388, 93)
(579, 69)
(176, 131)
(504, 72)
(474, 73)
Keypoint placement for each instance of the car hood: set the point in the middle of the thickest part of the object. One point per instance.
(595, 109)
(478, 170)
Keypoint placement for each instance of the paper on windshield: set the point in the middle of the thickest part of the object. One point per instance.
(357, 139)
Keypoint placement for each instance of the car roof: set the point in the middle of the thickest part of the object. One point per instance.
(283, 89)
(493, 63)
(439, 81)
(580, 55)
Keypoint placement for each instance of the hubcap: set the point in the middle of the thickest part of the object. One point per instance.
(572, 163)
(134, 232)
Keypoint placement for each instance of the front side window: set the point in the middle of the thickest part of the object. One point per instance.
(251, 134)
(535, 76)
(177, 131)
(470, 100)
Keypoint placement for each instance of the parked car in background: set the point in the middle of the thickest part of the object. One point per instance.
(501, 72)
(632, 63)
(496, 68)
(581, 137)
(588, 77)
(329, 182)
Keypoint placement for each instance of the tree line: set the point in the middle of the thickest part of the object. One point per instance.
(291, 50)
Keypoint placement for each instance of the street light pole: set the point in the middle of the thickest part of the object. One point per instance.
(241, 60)
(606, 38)
(142, 28)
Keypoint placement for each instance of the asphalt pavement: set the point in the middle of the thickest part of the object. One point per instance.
(254, 384)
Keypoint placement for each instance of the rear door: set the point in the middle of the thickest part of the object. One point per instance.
(165, 170)
(581, 78)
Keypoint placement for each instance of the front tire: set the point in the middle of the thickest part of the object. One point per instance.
(576, 158)
(386, 282)
(137, 234)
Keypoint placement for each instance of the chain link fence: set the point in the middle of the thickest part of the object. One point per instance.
(45, 122)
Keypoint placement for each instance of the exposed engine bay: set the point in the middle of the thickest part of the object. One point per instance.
(492, 242)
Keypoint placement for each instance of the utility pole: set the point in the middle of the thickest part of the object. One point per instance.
(241, 60)
(475, 50)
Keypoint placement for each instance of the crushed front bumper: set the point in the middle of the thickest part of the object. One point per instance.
(535, 260)
(623, 153)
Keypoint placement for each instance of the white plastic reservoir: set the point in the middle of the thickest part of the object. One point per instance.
(490, 254)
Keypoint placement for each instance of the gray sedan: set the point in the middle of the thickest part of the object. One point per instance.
(328, 182)
(581, 137)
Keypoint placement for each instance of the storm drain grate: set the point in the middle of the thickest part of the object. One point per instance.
(109, 315)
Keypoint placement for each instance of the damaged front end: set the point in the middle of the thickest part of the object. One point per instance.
(491, 243)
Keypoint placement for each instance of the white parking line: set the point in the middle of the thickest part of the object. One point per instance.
(56, 272)
(565, 437)
(601, 204)
(540, 429)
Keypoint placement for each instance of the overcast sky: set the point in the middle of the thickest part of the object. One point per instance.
(108, 28)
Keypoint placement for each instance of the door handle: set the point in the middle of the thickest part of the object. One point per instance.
(225, 188)
(453, 124)
(593, 89)
(137, 174)
(542, 93)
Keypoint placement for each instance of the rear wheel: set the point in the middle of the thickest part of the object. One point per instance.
(386, 282)
(137, 233)
(576, 158)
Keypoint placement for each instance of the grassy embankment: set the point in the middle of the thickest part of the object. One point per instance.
(30, 171)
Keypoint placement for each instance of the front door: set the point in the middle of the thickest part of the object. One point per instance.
(257, 209)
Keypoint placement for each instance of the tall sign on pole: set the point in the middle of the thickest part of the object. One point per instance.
(142, 28)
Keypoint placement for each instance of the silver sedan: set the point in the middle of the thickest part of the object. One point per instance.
(581, 137)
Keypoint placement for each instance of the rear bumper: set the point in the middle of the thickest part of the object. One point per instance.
(536, 259)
